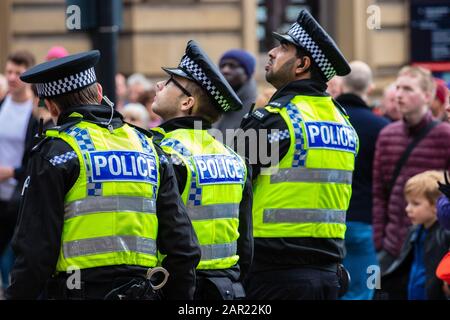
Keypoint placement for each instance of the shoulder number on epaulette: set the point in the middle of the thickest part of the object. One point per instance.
(260, 114)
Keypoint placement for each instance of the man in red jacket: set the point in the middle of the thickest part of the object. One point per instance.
(414, 93)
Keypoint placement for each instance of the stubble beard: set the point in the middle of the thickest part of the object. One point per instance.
(283, 76)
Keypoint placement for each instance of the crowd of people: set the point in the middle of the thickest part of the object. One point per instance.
(397, 218)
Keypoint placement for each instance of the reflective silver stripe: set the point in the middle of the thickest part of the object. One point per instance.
(216, 211)
(312, 175)
(109, 204)
(218, 251)
(304, 215)
(101, 245)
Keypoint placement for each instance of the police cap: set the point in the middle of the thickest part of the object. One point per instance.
(196, 66)
(69, 74)
(307, 33)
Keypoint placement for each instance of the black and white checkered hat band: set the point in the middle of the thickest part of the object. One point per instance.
(304, 39)
(67, 84)
(197, 73)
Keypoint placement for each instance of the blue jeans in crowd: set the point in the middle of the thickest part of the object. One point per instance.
(360, 255)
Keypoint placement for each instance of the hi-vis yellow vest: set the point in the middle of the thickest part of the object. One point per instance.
(308, 193)
(215, 180)
(110, 212)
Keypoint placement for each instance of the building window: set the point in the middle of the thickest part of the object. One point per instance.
(278, 15)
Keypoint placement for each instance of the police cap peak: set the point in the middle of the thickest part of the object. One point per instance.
(196, 66)
(68, 74)
(307, 33)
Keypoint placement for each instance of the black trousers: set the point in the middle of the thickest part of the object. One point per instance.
(57, 289)
(299, 283)
(8, 218)
(218, 288)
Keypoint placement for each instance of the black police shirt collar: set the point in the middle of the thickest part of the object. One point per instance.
(307, 33)
(196, 66)
(97, 113)
(64, 75)
(305, 87)
(185, 123)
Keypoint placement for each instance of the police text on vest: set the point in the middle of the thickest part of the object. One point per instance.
(218, 169)
(123, 166)
(331, 135)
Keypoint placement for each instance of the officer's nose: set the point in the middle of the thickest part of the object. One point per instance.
(272, 53)
(160, 85)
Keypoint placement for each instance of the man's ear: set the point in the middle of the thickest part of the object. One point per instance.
(303, 64)
(100, 93)
(371, 88)
(52, 108)
(187, 105)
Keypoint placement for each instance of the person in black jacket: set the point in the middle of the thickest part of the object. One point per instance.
(112, 231)
(413, 275)
(18, 128)
(360, 250)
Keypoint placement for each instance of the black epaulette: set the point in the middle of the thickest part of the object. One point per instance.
(281, 102)
(67, 125)
(147, 133)
(39, 145)
(260, 114)
(157, 136)
(271, 108)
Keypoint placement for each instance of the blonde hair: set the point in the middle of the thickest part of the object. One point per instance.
(425, 184)
(426, 81)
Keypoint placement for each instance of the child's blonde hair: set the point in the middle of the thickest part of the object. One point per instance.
(425, 184)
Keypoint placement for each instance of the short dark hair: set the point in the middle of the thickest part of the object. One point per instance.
(88, 95)
(315, 72)
(22, 58)
(206, 107)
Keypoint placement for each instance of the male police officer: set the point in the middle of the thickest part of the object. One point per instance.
(100, 197)
(212, 178)
(299, 203)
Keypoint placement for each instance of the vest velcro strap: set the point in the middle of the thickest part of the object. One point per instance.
(102, 245)
(218, 251)
(109, 204)
(304, 216)
(216, 211)
(301, 174)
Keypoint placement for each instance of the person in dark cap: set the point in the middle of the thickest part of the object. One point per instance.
(301, 196)
(237, 66)
(213, 179)
(100, 201)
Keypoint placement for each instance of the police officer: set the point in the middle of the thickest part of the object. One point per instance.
(212, 177)
(100, 197)
(300, 201)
